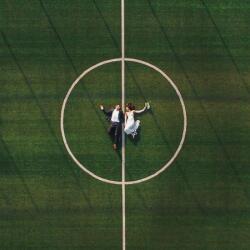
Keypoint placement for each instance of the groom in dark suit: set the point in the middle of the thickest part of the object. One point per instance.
(116, 118)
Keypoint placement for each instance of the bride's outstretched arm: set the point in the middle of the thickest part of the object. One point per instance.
(140, 111)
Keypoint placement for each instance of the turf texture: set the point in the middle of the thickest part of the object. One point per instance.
(202, 201)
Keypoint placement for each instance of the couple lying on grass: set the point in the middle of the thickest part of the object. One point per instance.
(116, 118)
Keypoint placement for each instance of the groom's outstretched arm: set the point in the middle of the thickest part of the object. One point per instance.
(107, 113)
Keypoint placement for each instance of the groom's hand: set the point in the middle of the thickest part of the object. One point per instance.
(101, 107)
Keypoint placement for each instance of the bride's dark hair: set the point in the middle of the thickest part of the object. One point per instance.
(130, 106)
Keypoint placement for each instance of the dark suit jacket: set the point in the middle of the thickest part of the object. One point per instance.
(110, 112)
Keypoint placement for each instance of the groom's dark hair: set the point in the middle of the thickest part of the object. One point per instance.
(118, 105)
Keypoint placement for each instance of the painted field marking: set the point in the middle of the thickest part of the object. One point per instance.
(123, 134)
(163, 168)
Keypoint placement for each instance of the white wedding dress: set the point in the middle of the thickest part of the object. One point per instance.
(132, 125)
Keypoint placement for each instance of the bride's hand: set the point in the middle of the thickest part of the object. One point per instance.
(147, 105)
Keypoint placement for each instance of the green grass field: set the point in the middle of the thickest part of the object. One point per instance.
(202, 201)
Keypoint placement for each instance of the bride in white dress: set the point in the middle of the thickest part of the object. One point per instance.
(131, 125)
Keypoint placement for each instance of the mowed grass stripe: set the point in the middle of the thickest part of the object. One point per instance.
(167, 143)
(202, 106)
(226, 47)
(19, 174)
(26, 80)
(70, 61)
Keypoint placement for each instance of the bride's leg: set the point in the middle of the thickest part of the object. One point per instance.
(126, 130)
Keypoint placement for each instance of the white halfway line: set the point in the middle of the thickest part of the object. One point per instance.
(123, 135)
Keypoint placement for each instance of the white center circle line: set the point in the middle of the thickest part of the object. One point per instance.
(163, 168)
